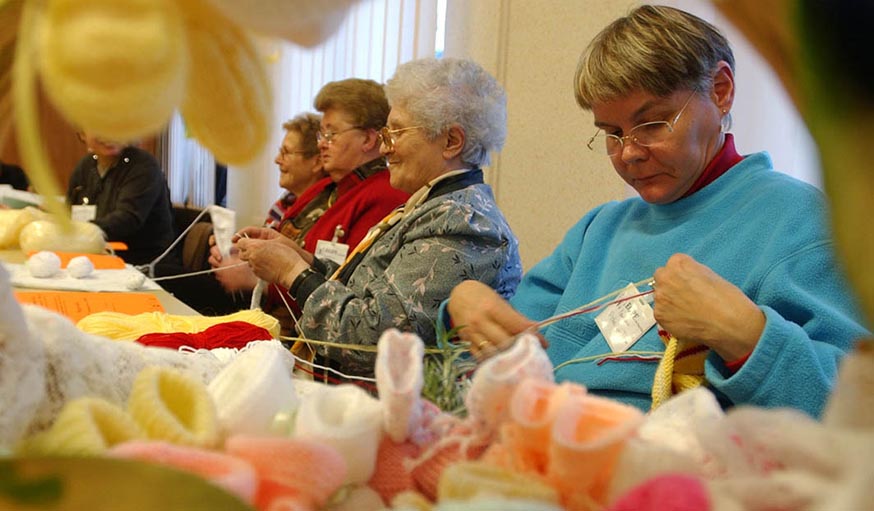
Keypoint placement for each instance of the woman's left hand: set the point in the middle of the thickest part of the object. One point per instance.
(272, 260)
(695, 304)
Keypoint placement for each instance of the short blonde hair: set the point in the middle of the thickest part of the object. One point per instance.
(307, 126)
(363, 100)
(655, 49)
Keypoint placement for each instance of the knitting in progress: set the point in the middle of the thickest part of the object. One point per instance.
(243, 423)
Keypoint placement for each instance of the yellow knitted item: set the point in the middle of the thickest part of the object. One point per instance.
(228, 99)
(466, 480)
(118, 326)
(171, 406)
(681, 368)
(115, 70)
(85, 427)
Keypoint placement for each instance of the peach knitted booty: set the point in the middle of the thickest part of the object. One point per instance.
(526, 435)
(290, 469)
(232, 474)
(588, 436)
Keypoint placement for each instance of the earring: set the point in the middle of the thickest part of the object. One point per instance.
(725, 122)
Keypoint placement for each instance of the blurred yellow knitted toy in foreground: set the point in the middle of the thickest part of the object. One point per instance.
(119, 69)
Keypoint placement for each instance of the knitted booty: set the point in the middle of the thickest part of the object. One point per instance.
(86, 427)
(172, 406)
(533, 407)
(496, 378)
(467, 480)
(228, 472)
(588, 435)
(399, 380)
(76, 364)
(392, 475)
(428, 470)
(253, 388)
(291, 468)
(349, 420)
(22, 369)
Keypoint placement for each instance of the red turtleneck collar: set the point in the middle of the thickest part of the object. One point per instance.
(725, 159)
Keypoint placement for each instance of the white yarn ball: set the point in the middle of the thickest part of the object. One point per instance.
(44, 264)
(80, 267)
(135, 281)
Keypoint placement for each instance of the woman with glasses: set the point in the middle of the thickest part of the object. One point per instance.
(748, 297)
(299, 207)
(446, 117)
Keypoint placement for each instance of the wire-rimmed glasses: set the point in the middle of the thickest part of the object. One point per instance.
(389, 138)
(328, 136)
(645, 135)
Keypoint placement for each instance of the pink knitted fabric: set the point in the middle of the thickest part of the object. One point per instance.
(300, 470)
(668, 492)
(392, 475)
(232, 474)
(427, 473)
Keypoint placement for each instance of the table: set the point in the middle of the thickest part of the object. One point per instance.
(171, 304)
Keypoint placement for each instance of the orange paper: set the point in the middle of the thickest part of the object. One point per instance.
(117, 246)
(76, 305)
(100, 261)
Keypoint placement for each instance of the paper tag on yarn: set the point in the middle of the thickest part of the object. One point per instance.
(83, 213)
(623, 323)
(223, 227)
(332, 251)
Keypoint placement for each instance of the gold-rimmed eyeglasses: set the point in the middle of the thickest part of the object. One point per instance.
(389, 137)
(328, 136)
(645, 135)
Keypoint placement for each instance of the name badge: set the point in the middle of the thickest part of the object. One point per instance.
(84, 212)
(623, 323)
(332, 251)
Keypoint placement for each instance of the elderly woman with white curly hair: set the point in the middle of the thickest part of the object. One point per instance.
(446, 117)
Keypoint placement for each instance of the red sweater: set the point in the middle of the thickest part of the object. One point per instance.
(360, 204)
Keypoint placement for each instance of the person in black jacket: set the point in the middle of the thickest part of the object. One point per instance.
(122, 189)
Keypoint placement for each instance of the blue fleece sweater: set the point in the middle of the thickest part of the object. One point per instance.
(763, 231)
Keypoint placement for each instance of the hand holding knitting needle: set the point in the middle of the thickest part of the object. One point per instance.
(272, 260)
(487, 322)
(694, 303)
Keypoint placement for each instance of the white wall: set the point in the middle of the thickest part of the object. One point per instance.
(544, 178)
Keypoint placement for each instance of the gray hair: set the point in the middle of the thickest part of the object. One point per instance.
(438, 93)
(655, 49)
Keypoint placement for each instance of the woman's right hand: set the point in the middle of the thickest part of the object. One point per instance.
(484, 319)
(256, 233)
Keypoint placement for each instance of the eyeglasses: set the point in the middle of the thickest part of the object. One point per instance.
(645, 135)
(388, 136)
(283, 152)
(328, 136)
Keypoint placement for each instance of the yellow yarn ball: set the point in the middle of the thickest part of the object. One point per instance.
(227, 105)
(174, 407)
(114, 69)
(85, 427)
(119, 326)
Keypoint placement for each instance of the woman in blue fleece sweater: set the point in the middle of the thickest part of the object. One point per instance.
(744, 270)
